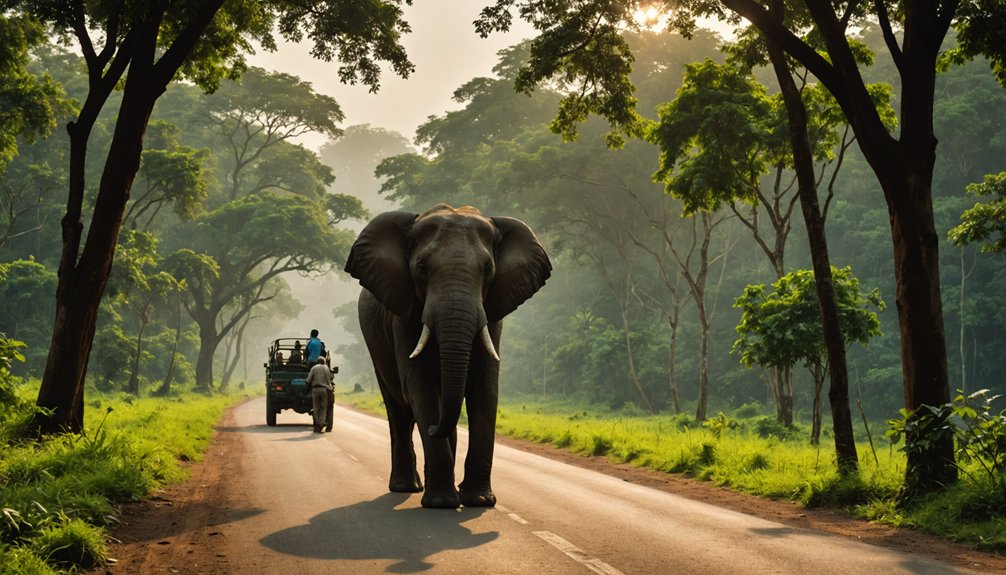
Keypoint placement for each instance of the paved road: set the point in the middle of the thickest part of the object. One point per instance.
(319, 504)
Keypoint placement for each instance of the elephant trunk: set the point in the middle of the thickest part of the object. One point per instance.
(455, 338)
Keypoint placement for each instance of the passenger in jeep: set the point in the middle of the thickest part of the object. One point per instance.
(296, 357)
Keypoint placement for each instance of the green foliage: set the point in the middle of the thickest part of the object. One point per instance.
(73, 543)
(840, 491)
(707, 133)
(979, 435)
(32, 104)
(59, 495)
(783, 327)
(12, 405)
(985, 222)
(26, 288)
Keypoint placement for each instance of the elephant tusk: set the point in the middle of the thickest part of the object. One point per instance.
(488, 342)
(424, 338)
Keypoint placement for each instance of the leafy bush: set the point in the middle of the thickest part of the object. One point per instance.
(14, 409)
(767, 427)
(979, 433)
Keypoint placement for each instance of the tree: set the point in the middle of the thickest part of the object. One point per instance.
(985, 222)
(31, 104)
(26, 313)
(170, 174)
(782, 328)
(156, 42)
(583, 43)
(252, 241)
(262, 111)
(141, 286)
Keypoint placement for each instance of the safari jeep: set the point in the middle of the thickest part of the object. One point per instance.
(286, 382)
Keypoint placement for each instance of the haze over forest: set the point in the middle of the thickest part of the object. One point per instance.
(600, 330)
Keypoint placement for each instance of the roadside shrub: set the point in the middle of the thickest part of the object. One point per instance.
(767, 427)
(979, 434)
(719, 424)
(599, 444)
(21, 561)
(748, 411)
(564, 440)
(74, 543)
(707, 454)
(836, 491)
(756, 462)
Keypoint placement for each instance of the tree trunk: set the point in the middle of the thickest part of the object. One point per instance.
(133, 386)
(208, 342)
(782, 391)
(815, 428)
(82, 280)
(703, 399)
(630, 359)
(838, 392)
(165, 387)
(672, 368)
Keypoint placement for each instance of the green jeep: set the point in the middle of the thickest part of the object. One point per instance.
(286, 382)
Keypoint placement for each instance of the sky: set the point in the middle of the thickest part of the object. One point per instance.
(445, 49)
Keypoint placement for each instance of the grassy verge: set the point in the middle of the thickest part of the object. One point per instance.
(59, 496)
(752, 454)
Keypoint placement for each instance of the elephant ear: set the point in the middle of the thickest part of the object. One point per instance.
(380, 260)
(522, 266)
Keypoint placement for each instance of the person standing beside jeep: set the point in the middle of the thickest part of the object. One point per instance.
(315, 348)
(320, 380)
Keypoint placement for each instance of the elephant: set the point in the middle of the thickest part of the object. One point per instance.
(435, 287)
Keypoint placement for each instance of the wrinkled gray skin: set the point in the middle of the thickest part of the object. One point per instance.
(455, 271)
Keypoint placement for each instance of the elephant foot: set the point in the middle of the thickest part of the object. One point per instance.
(478, 498)
(405, 485)
(447, 499)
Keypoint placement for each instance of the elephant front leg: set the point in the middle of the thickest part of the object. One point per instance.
(404, 476)
(440, 491)
(476, 489)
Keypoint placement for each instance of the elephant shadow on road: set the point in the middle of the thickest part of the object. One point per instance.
(377, 529)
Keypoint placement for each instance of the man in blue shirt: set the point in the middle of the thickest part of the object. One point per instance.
(315, 347)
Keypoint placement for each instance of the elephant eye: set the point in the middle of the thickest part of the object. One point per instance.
(421, 267)
(487, 270)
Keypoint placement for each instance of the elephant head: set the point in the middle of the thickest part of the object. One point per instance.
(455, 271)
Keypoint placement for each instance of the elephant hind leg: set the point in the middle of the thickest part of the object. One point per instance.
(481, 497)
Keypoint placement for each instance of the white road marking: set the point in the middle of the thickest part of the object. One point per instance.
(351, 457)
(517, 518)
(577, 554)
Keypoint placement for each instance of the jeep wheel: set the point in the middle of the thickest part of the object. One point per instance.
(270, 415)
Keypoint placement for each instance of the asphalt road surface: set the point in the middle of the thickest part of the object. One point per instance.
(306, 503)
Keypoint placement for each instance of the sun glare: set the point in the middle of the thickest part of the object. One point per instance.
(651, 17)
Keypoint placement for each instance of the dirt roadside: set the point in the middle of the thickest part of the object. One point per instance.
(174, 531)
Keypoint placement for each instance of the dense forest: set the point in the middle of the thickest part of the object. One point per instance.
(234, 228)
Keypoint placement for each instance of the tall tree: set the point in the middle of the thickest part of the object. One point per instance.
(261, 112)
(156, 42)
(583, 42)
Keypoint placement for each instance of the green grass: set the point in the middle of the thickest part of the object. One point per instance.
(60, 496)
(754, 455)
